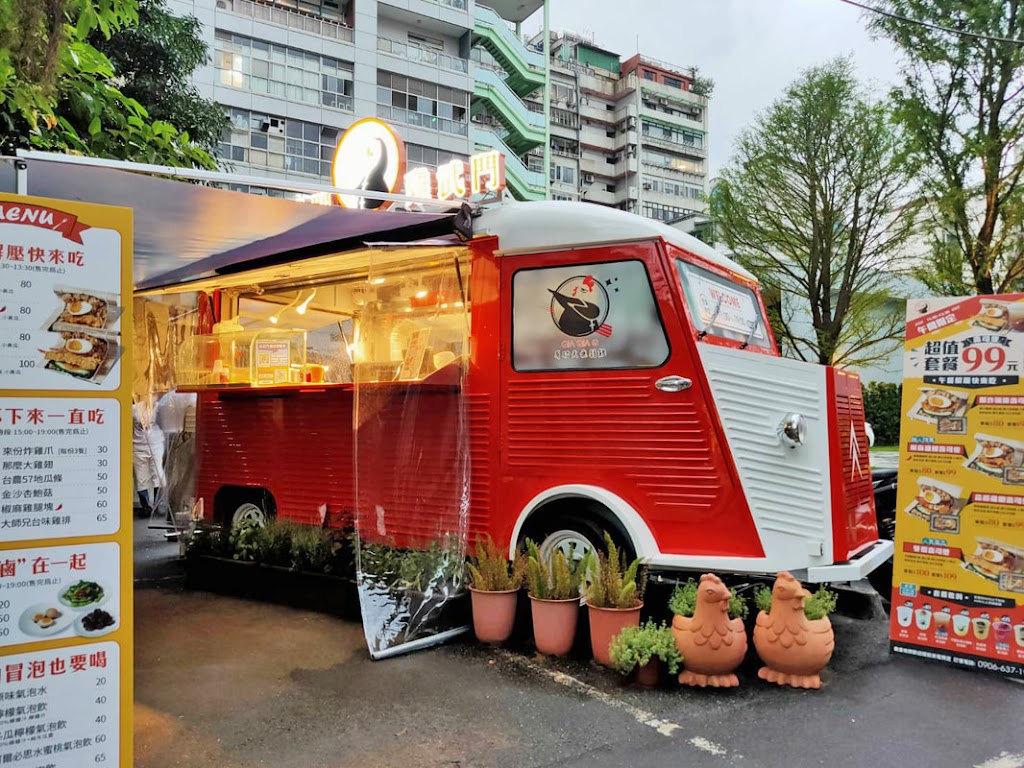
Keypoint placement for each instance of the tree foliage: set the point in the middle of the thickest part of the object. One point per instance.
(57, 91)
(814, 202)
(154, 59)
(962, 106)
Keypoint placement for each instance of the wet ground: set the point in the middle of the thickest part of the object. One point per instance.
(236, 684)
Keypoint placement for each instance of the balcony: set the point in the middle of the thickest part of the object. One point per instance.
(525, 67)
(675, 146)
(422, 55)
(523, 183)
(291, 18)
(526, 129)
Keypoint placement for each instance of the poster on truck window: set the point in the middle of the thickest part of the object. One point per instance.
(66, 633)
(958, 576)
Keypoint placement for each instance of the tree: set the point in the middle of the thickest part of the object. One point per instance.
(813, 203)
(962, 106)
(57, 91)
(154, 59)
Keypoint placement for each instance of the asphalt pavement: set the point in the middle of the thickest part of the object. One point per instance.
(241, 684)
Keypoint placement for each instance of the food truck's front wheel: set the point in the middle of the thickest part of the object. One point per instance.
(235, 506)
(575, 523)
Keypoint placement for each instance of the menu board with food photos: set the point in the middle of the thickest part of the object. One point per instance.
(65, 484)
(958, 576)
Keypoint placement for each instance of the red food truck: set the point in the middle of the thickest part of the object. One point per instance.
(612, 374)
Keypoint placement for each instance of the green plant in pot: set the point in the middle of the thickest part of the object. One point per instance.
(644, 650)
(793, 634)
(494, 588)
(708, 631)
(614, 596)
(554, 588)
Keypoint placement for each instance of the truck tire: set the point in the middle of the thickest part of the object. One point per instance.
(580, 522)
(239, 506)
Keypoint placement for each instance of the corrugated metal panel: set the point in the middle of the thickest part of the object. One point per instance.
(297, 446)
(855, 521)
(480, 490)
(787, 491)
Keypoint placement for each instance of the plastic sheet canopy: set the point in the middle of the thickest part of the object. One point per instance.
(411, 454)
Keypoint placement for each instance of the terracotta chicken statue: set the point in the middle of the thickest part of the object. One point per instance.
(794, 648)
(711, 643)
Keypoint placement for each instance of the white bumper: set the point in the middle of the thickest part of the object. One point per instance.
(857, 568)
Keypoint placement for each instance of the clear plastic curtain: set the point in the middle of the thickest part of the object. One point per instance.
(411, 455)
(163, 428)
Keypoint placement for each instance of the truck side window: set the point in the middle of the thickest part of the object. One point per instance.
(723, 308)
(586, 317)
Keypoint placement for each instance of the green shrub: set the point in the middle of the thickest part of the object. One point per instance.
(555, 579)
(490, 570)
(882, 409)
(684, 601)
(819, 605)
(636, 646)
(613, 584)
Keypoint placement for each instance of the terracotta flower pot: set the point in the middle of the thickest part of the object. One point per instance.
(605, 624)
(554, 624)
(794, 648)
(649, 675)
(712, 644)
(494, 614)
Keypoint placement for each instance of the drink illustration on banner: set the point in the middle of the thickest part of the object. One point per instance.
(959, 563)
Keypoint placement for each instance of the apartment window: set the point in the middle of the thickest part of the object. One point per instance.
(663, 212)
(610, 134)
(564, 147)
(563, 173)
(562, 94)
(675, 188)
(673, 134)
(279, 143)
(672, 82)
(648, 75)
(419, 156)
(609, 187)
(331, 10)
(277, 70)
(564, 198)
(563, 117)
(665, 160)
(417, 102)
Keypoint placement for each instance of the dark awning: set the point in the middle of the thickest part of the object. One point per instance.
(183, 231)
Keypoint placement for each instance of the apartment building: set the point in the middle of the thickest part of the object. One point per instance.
(292, 75)
(628, 133)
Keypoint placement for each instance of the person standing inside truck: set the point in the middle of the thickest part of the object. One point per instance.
(147, 455)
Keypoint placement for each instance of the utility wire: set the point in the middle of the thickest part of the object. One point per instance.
(929, 25)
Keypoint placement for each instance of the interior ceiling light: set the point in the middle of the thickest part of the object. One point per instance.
(301, 309)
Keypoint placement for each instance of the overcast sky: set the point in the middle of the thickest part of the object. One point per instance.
(752, 49)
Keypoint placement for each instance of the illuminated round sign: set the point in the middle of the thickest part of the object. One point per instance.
(370, 156)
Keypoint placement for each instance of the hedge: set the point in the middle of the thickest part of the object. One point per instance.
(882, 407)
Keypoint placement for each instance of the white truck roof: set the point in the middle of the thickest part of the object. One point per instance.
(556, 224)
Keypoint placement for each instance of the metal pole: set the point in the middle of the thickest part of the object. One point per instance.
(639, 144)
(547, 100)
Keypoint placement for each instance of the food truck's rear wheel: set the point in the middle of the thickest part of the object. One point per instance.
(249, 513)
(235, 506)
(580, 522)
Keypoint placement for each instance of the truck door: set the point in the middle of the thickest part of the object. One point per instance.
(600, 389)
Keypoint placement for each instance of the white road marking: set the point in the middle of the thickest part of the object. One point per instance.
(664, 727)
(1003, 760)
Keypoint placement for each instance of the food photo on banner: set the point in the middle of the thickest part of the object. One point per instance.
(958, 584)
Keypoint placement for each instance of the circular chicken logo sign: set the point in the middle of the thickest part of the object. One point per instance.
(579, 306)
(370, 158)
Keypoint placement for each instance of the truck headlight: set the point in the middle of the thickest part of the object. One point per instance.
(792, 430)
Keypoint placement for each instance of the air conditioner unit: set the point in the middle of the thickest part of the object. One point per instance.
(663, 101)
(648, 185)
(588, 178)
(272, 125)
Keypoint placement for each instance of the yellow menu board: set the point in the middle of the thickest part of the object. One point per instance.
(958, 577)
(65, 484)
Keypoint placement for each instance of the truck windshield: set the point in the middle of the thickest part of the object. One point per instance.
(722, 308)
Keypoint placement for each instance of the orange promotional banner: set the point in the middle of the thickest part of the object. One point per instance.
(958, 575)
(65, 484)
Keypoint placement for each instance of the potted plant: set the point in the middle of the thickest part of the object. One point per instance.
(793, 635)
(708, 631)
(614, 597)
(554, 589)
(644, 650)
(494, 586)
